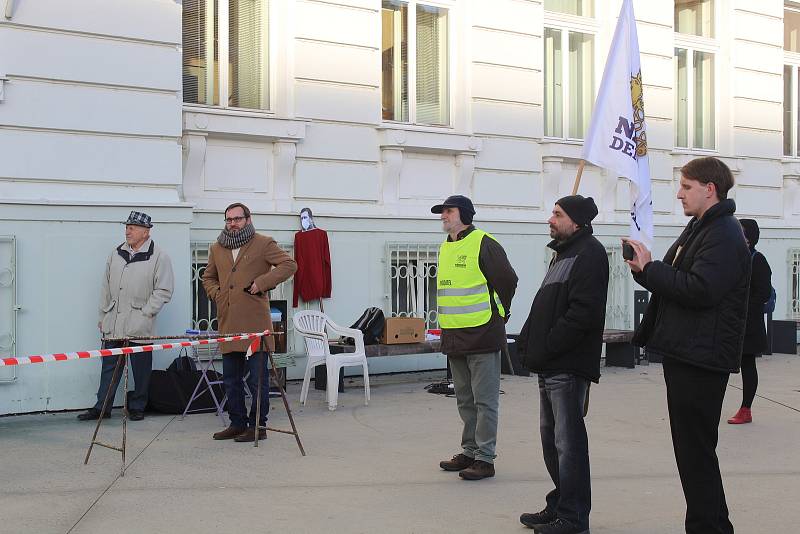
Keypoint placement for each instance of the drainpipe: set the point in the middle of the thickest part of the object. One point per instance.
(9, 8)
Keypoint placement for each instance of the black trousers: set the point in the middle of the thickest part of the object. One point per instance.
(749, 380)
(694, 400)
(142, 365)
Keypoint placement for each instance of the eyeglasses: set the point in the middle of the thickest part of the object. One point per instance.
(231, 220)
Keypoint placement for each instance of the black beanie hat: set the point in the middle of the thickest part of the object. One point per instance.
(751, 230)
(581, 210)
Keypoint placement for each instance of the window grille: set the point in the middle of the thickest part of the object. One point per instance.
(8, 305)
(411, 275)
(619, 315)
(204, 310)
(794, 283)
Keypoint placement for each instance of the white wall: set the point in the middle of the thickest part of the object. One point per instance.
(93, 125)
(90, 128)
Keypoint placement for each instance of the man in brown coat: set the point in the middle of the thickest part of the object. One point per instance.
(242, 267)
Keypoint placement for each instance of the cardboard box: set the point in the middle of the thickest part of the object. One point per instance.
(403, 330)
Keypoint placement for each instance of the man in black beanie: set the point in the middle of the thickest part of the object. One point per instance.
(562, 341)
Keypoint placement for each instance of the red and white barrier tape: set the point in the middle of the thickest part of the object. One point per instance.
(5, 362)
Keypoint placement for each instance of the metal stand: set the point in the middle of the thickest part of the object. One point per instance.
(204, 368)
(122, 363)
(259, 428)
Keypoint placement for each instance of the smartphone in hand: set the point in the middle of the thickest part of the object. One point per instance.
(627, 251)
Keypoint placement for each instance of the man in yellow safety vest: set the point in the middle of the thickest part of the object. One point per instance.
(475, 286)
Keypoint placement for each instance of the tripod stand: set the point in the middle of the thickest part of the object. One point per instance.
(122, 363)
(261, 350)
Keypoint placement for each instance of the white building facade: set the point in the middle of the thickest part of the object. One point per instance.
(368, 112)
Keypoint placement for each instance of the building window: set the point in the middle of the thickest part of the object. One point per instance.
(791, 90)
(412, 269)
(568, 69)
(695, 17)
(791, 120)
(582, 8)
(694, 99)
(695, 65)
(226, 53)
(794, 283)
(619, 314)
(415, 63)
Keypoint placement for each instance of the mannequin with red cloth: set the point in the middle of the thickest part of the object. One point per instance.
(312, 281)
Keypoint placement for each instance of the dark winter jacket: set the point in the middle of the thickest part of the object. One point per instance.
(564, 331)
(502, 280)
(755, 333)
(699, 294)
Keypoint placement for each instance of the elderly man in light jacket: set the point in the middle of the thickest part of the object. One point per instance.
(138, 282)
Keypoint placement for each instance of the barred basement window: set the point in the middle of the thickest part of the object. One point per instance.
(794, 283)
(204, 310)
(619, 311)
(8, 305)
(411, 275)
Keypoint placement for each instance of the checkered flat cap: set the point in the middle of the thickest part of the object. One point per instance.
(139, 219)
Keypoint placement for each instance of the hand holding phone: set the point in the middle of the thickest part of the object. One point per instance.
(627, 251)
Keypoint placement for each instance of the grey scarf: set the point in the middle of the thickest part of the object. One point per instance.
(231, 240)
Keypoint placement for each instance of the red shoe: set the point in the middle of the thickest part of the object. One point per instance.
(742, 416)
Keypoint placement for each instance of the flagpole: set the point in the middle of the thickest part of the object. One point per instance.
(581, 165)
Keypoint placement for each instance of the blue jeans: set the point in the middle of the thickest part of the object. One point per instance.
(566, 446)
(234, 368)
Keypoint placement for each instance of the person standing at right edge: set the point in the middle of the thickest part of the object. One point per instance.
(695, 321)
(755, 333)
(475, 285)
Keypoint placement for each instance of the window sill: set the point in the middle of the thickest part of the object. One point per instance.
(681, 151)
(255, 125)
(427, 139)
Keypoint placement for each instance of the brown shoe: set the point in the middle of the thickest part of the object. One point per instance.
(457, 463)
(250, 435)
(478, 470)
(229, 433)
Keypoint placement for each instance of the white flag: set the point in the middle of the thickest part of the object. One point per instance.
(617, 137)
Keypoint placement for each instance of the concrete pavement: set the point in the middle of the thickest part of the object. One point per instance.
(375, 468)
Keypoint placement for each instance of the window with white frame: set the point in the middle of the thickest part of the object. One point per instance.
(695, 51)
(791, 88)
(411, 274)
(569, 34)
(226, 53)
(415, 54)
(794, 283)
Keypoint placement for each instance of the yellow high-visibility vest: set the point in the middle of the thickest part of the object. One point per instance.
(462, 291)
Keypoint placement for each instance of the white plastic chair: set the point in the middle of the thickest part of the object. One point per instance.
(315, 327)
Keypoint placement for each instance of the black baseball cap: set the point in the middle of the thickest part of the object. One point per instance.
(455, 201)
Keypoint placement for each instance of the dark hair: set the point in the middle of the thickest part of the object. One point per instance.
(238, 205)
(307, 210)
(710, 170)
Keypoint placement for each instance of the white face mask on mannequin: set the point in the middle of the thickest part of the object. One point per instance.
(306, 221)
